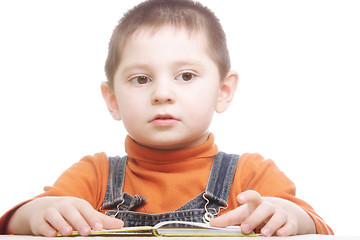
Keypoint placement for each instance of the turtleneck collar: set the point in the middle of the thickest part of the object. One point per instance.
(156, 156)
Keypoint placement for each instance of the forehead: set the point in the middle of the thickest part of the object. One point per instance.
(166, 38)
(179, 32)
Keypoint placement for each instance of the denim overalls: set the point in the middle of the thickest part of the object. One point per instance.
(200, 209)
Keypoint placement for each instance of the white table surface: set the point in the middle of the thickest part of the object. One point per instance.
(300, 237)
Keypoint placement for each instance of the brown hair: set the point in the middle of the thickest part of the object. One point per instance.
(177, 13)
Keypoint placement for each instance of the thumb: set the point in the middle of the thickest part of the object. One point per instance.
(111, 222)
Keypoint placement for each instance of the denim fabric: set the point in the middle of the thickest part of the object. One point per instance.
(122, 205)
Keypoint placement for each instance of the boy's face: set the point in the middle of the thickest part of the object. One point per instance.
(166, 88)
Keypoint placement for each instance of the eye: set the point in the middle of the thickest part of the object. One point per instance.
(186, 76)
(141, 80)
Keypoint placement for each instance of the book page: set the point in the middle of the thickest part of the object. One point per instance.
(196, 229)
(166, 229)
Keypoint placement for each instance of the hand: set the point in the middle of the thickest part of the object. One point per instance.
(49, 215)
(270, 215)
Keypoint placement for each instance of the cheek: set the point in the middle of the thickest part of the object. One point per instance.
(128, 106)
(201, 104)
(131, 108)
(131, 117)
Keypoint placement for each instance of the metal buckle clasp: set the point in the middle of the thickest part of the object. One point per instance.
(208, 215)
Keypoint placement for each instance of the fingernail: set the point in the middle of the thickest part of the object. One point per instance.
(85, 230)
(66, 230)
(98, 226)
(280, 232)
(50, 233)
(245, 228)
(213, 222)
(266, 232)
(241, 198)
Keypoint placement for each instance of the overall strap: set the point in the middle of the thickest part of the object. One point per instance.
(218, 187)
(221, 177)
(115, 198)
(114, 194)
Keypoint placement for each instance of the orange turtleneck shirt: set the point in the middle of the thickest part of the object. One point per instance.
(170, 178)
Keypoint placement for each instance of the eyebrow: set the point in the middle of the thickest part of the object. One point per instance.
(131, 67)
(189, 62)
(135, 66)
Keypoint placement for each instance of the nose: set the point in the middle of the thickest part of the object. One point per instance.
(163, 92)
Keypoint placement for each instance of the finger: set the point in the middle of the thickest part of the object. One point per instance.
(56, 221)
(275, 223)
(110, 222)
(72, 215)
(90, 215)
(98, 220)
(287, 230)
(250, 197)
(43, 228)
(261, 214)
(233, 217)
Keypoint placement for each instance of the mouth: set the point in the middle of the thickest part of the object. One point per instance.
(164, 120)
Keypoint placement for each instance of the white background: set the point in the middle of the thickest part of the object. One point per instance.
(297, 102)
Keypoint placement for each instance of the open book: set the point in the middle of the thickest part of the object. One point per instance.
(189, 229)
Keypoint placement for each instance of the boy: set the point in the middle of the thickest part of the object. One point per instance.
(168, 71)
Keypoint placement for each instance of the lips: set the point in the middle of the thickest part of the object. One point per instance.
(164, 120)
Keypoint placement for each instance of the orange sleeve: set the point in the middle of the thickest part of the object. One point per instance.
(255, 173)
(86, 179)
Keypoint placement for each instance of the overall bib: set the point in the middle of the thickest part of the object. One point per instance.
(200, 209)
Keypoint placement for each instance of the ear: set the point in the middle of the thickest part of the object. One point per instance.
(110, 100)
(227, 91)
